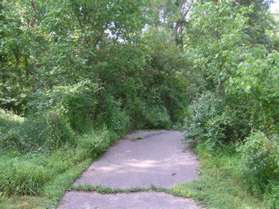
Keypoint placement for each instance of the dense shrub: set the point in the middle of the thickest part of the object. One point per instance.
(96, 142)
(77, 103)
(234, 59)
(15, 77)
(216, 120)
(110, 113)
(47, 131)
(254, 89)
(260, 157)
(271, 196)
(9, 120)
(165, 79)
(204, 110)
(241, 75)
(156, 116)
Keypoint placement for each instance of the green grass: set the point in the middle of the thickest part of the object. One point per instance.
(47, 189)
(220, 185)
(106, 190)
(51, 194)
(37, 180)
(38, 177)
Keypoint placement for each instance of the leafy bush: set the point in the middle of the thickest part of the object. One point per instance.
(233, 59)
(242, 75)
(48, 131)
(203, 110)
(156, 117)
(217, 129)
(76, 102)
(260, 157)
(80, 102)
(58, 132)
(271, 196)
(15, 81)
(96, 142)
(254, 87)
(8, 120)
(165, 79)
(110, 114)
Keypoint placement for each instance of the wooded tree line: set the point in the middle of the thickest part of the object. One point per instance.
(234, 49)
(209, 66)
(48, 44)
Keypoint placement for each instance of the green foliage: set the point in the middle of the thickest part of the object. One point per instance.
(96, 142)
(9, 120)
(48, 131)
(111, 114)
(205, 111)
(255, 84)
(117, 77)
(166, 76)
(22, 177)
(215, 121)
(235, 58)
(271, 196)
(14, 73)
(260, 157)
(219, 185)
(34, 173)
(219, 118)
(79, 81)
(156, 117)
(216, 37)
(241, 74)
(77, 103)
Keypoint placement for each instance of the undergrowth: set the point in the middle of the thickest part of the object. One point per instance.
(220, 185)
(38, 180)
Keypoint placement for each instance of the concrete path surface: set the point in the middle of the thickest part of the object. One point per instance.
(141, 200)
(143, 159)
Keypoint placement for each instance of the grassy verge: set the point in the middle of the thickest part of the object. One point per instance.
(39, 180)
(220, 185)
(49, 198)
(50, 192)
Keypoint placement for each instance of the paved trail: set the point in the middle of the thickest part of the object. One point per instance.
(142, 160)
